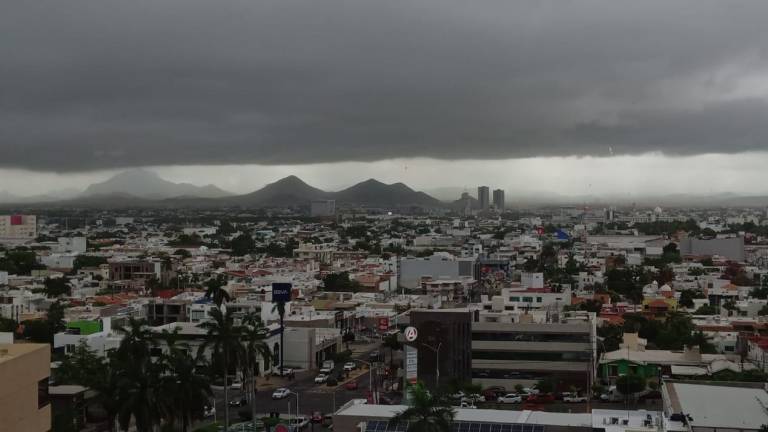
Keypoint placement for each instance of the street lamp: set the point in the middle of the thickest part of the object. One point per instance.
(437, 362)
(370, 373)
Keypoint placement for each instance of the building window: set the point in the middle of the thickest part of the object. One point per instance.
(514, 299)
(538, 299)
(42, 393)
(527, 299)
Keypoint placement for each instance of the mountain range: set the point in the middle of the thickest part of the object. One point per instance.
(143, 188)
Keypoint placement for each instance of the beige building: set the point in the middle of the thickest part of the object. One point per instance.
(16, 229)
(24, 372)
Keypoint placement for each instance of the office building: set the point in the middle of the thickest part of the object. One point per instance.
(17, 229)
(24, 401)
(522, 352)
(444, 344)
(483, 197)
(322, 208)
(498, 199)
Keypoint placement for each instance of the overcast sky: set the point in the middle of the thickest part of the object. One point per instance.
(587, 96)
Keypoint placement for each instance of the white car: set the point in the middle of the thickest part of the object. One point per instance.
(237, 385)
(286, 372)
(531, 391)
(350, 366)
(473, 398)
(467, 405)
(574, 399)
(510, 398)
(280, 393)
(322, 378)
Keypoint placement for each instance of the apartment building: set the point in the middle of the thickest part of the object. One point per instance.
(24, 400)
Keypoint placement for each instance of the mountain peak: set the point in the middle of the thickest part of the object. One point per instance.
(148, 184)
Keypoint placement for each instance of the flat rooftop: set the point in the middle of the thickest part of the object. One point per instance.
(11, 351)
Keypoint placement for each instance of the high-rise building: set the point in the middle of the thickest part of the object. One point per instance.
(24, 403)
(17, 228)
(498, 199)
(483, 196)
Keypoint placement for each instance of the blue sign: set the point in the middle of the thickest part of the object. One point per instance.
(281, 292)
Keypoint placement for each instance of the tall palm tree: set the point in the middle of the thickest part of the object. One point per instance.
(137, 377)
(255, 335)
(280, 308)
(224, 342)
(427, 413)
(183, 391)
(393, 344)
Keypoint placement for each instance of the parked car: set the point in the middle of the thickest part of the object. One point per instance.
(458, 395)
(280, 393)
(491, 393)
(531, 391)
(317, 417)
(510, 398)
(473, 398)
(574, 398)
(467, 405)
(332, 382)
(540, 398)
(286, 372)
(321, 379)
(352, 385)
(349, 366)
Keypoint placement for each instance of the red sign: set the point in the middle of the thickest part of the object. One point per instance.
(383, 323)
(17, 220)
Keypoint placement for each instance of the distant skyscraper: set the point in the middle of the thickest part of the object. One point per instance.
(498, 199)
(484, 197)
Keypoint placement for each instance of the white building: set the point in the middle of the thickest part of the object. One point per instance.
(17, 229)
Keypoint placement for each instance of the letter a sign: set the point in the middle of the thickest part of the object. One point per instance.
(411, 334)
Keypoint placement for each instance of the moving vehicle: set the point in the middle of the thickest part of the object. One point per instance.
(209, 411)
(321, 379)
(349, 366)
(473, 398)
(286, 372)
(510, 398)
(493, 392)
(352, 385)
(467, 405)
(238, 403)
(280, 393)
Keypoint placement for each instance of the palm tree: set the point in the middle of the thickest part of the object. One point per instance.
(224, 342)
(280, 308)
(393, 344)
(183, 391)
(136, 377)
(255, 347)
(214, 290)
(427, 413)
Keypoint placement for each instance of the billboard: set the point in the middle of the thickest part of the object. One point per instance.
(281, 292)
(411, 364)
(383, 323)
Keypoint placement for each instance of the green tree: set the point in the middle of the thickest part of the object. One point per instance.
(57, 287)
(183, 253)
(763, 311)
(630, 384)
(82, 366)
(82, 261)
(545, 386)
(687, 296)
(427, 413)
(391, 342)
(8, 325)
(182, 391)
(706, 310)
(698, 338)
(223, 340)
(243, 245)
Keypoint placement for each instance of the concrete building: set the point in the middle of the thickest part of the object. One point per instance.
(483, 197)
(443, 344)
(498, 199)
(72, 244)
(17, 229)
(507, 354)
(322, 208)
(729, 248)
(436, 267)
(160, 311)
(24, 400)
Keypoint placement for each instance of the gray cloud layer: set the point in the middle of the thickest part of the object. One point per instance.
(101, 84)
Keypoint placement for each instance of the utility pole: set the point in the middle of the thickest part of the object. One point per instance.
(437, 362)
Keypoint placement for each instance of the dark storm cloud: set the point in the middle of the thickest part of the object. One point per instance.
(101, 84)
